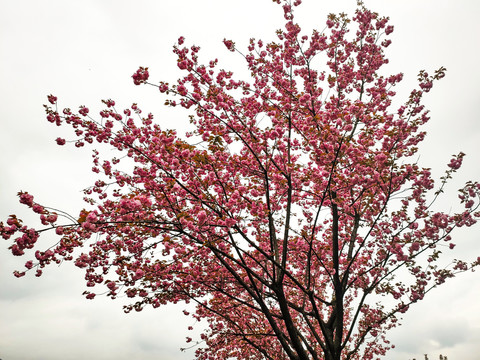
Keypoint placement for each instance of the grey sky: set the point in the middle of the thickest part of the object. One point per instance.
(85, 51)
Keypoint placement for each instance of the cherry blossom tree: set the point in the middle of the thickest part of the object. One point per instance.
(294, 214)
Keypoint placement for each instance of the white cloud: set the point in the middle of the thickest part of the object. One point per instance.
(86, 51)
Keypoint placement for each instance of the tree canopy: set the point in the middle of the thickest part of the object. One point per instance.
(293, 205)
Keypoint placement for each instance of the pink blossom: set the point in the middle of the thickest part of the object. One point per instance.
(389, 29)
(60, 141)
(229, 44)
(415, 246)
(91, 217)
(139, 273)
(52, 99)
(16, 250)
(140, 76)
(88, 226)
(181, 65)
(83, 110)
(110, 102)
(52, 218)
(202, 215)
(19, 274)
(163, 87)
(455, 163)
(182, 90)
(39, 209)
(26, 198)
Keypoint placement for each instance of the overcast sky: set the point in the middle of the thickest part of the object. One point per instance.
(85, 51)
